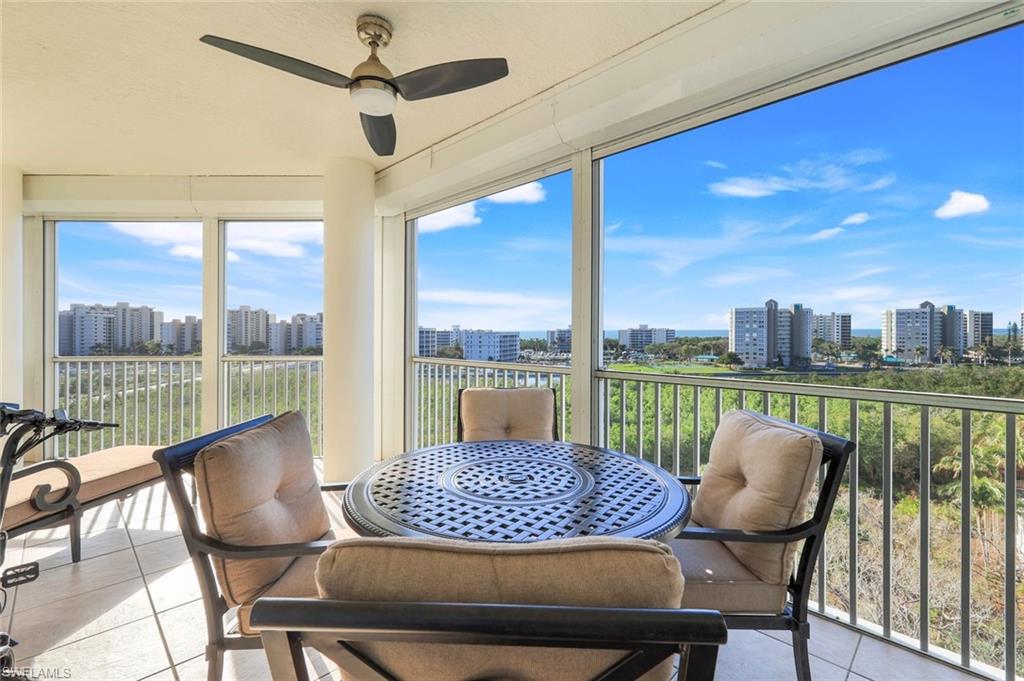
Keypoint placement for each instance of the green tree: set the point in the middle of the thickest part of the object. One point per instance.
(450, 352)
(730, 358)
(537, 344)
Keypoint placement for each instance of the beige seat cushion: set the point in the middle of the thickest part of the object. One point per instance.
(759, 475)
(103, 472)
(716, 580)
(298, 581)
(259, 487)
(583, 571)
(507, 414)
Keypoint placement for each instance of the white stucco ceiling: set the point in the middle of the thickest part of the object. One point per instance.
(126, 88)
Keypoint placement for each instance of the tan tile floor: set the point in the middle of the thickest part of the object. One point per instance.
(131, 610)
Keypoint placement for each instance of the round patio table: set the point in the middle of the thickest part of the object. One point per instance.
(516, 491)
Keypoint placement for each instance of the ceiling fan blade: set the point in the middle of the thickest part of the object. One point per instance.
(380, 133)
(280, 61)
(453, 76)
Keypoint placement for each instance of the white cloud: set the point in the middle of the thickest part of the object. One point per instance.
(962, 203)
(869, 272)
(457, 216)
(746, 275)
(185, 240)
(1009, 242)
(608, 229)
(829, 173)
(750, 187)
(823, 234)
(499, 310)
(670, 254)
(531, 192)
(856, 219)
(875, 185)
(715, 164)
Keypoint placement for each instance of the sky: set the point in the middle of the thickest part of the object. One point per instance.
(277, 266)
(899, 186)
(902, 185)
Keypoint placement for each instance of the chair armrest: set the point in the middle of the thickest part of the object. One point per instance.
(334, 487)
(38, 497)
(801, 531)
(688, 479)
(220, 549)
(492, 624)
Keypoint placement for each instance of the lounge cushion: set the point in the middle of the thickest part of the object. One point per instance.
(298, 581)
(717, 580)
(507, 414)
(759, 475)
(582, 571)
(259, 487)
(103, 472)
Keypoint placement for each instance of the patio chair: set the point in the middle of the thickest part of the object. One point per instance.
(737, 553)
(58, 491)
(507, 414)
(405, 609)
(264, 518)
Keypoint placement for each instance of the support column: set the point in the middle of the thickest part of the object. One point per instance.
(11, 273)
(587, 343)
(212, 416)
(348, 370)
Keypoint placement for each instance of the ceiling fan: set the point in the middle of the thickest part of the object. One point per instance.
(372, 86)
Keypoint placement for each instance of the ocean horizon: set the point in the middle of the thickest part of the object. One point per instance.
(690, 333)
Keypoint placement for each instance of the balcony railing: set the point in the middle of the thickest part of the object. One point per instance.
(438, 381)
(255, 385)
(156, 401)
(928, 466)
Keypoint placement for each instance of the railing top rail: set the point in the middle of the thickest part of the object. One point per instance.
(511, 366)
(975, 402)
(126, 358)
(272, 358)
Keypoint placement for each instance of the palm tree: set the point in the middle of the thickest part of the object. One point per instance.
(919, 352)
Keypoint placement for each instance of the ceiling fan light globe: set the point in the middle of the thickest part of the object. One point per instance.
(373, 98)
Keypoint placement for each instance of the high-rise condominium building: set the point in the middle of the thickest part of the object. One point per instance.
(834, 327)
(560, 340)
(307, 331)
(430, 340)
(84, 329)
(246, 327)
(909, 333)
(182, 337)
(639, 338)
(490, 346)
(768, 335)
(977, 328)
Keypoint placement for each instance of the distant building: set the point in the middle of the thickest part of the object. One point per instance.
(246, 327)
(977, 328)
(429, 340)
(279, 339)
(639, 338)
(953, 336)
(490, 346)
(768, 335)
(182, 337)
(307, 331)
(834, 327)
(912, 333)
(560, 340)
(85, 329)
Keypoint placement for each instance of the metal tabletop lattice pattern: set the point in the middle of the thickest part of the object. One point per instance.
(516, 491)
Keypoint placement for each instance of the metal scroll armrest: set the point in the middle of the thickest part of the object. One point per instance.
(69, 498)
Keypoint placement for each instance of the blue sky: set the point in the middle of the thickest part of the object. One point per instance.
(274, 265)
(883, 191)
(895, 187)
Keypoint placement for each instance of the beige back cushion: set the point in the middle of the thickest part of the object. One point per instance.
(507, 414)
(259, 487)
(758, 477)
(583, 571)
